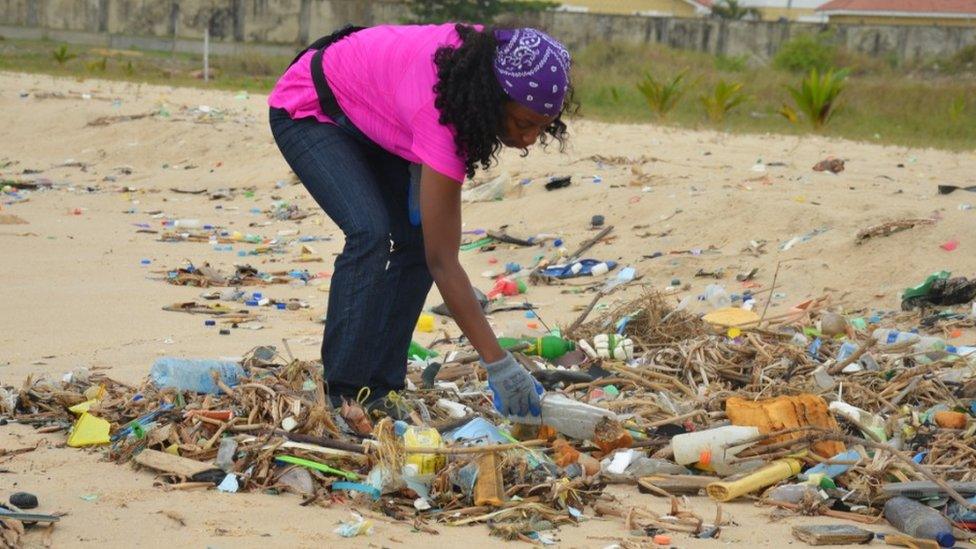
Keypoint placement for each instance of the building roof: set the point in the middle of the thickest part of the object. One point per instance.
(917, 8)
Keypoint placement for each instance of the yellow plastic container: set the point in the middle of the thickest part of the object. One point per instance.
(89, 431)
(770, 474)
(425, 323)
(420, 437)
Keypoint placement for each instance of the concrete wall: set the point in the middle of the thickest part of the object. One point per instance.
(279, 26)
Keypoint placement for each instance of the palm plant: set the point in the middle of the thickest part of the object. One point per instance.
(816, 97)
(662, 96)
(724, 98)
(62, 56)
(732, 9)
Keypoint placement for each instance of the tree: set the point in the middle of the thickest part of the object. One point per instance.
(471, 11)
(732, 9)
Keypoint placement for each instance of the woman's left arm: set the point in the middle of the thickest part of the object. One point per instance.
(440, 208)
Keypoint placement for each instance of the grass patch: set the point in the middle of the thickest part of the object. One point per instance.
(920, 106)
(915, 106)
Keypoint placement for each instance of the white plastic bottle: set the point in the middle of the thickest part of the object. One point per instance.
(709, 446)
(187, 223)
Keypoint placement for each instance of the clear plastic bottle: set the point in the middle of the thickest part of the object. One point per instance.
(792, 493)
(870, 422)
(570, 417)
(194, 374)
(646, 466)
(887, 337)
(918, 521)
(716, 297)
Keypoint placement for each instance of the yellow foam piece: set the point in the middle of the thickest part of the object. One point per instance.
(89, 431)
(729, 317)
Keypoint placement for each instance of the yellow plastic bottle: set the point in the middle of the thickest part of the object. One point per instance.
(424, 437)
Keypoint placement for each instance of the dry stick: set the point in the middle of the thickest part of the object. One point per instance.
(476, 449)
(826, 512)
(771, 288)
(590, 243)
(579, 320)
(919, 468)
(855, 356)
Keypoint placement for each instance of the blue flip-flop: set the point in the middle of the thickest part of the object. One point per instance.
(566, 271)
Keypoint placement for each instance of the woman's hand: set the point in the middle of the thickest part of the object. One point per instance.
(440, 210)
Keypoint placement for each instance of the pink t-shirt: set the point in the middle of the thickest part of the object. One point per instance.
(383, 78)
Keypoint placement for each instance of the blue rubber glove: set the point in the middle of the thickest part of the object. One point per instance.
(515, 392)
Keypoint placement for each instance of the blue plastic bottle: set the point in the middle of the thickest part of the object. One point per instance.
(194, 374)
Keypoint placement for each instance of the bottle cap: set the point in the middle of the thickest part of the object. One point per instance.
(945, 539)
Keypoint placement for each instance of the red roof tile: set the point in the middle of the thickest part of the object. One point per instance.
(905, 6)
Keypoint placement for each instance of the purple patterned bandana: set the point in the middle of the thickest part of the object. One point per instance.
(533, 69)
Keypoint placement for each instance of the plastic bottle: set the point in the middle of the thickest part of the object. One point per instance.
(769, 474)
(832, 470)
(645, 467)
(792, 493)
(716, 297)
(194, 374)
(966, 352)
(927, 344)
(225, 454)
(570, 417)
(417, 351)
(624, 276)
(424, 437)
(918, 521)
(887, 337)
(708, 447)
(550, 346)
(870, 422)
(186, 223)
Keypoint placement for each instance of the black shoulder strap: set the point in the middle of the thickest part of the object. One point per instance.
(327, 40)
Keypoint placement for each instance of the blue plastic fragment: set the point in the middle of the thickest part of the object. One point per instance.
(370, 491)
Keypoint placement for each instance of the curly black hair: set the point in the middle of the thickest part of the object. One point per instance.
(471, 100)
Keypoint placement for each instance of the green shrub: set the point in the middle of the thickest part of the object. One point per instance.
(98, 65)
(724, 97)
(62, 56)
(963, 60)
(957, 107)
(662, 96)
(804, 53)
(816, 97)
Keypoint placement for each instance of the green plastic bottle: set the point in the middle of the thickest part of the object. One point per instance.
(550, 347)
(419, 352)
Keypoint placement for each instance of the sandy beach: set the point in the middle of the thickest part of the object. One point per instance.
(77, 290)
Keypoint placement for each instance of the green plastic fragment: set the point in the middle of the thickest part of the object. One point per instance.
(317, 466)
(924, 288)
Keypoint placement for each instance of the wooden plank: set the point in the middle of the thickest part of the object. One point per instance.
(168, 463)
(832, 534)
(488, 489)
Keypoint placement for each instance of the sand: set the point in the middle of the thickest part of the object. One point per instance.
(75, 292)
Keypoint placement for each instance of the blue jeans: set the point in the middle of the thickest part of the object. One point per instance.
(380, 280)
